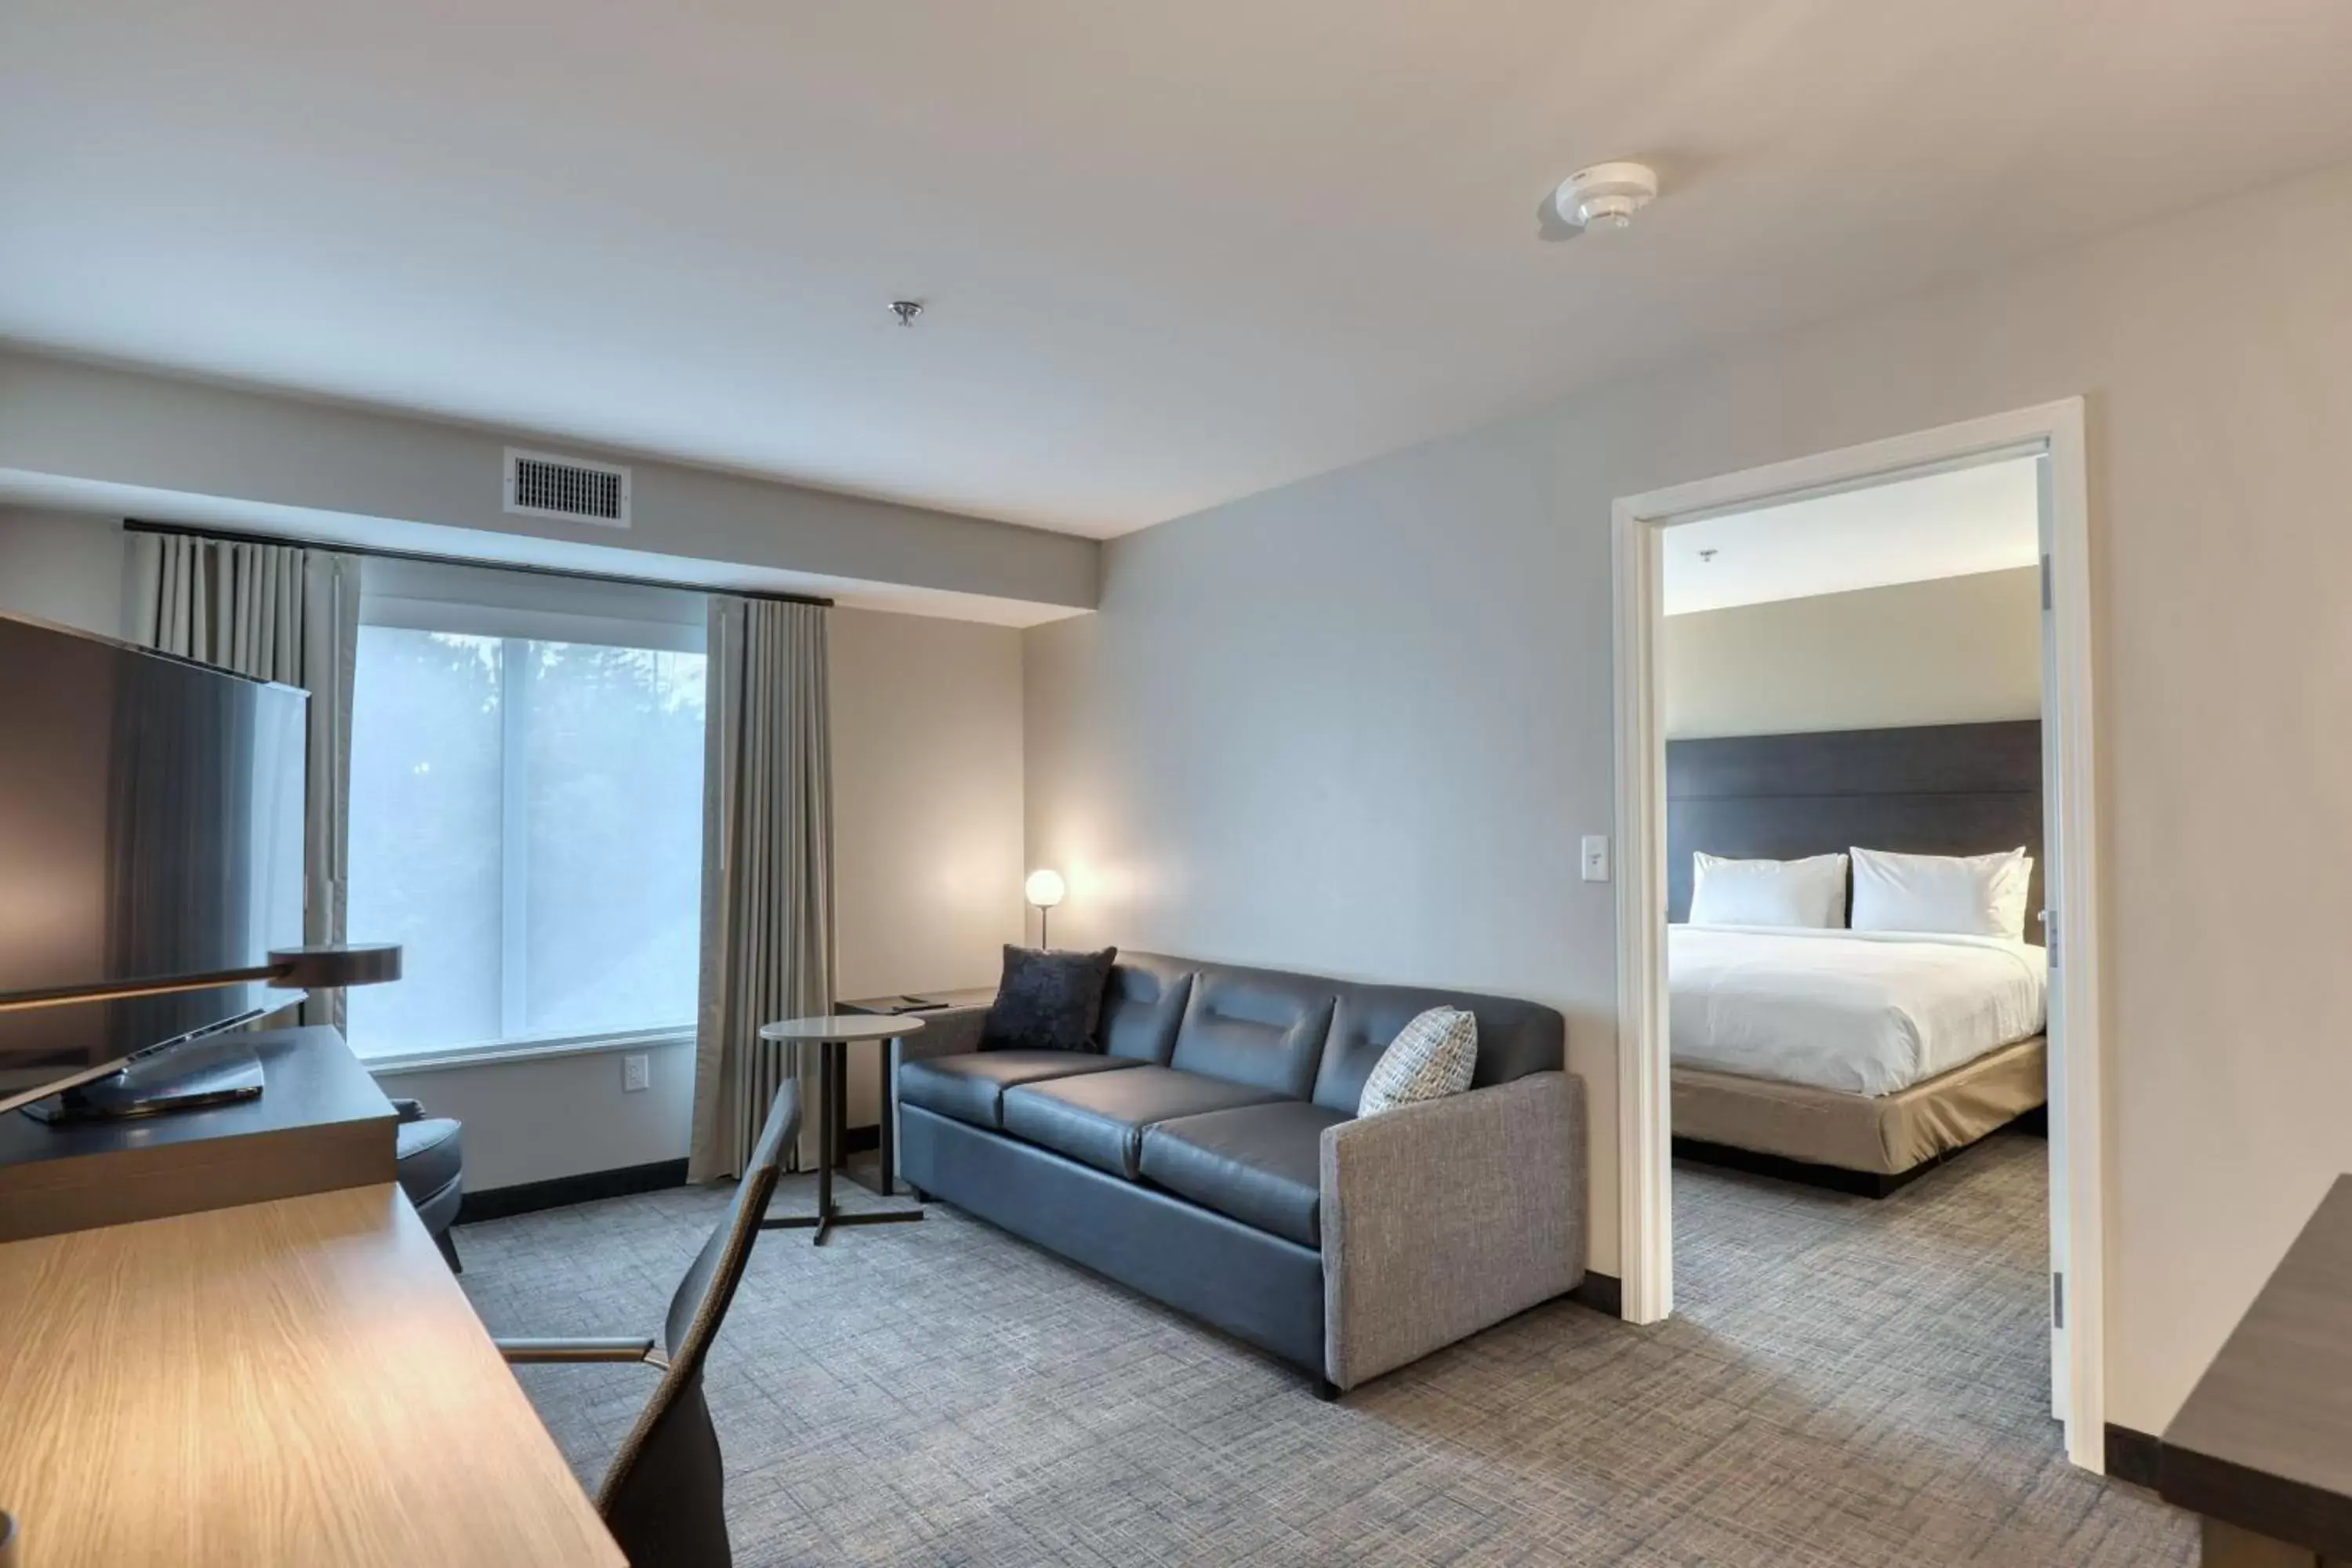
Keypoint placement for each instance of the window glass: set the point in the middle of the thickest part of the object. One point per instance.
(612, 749)
(526, 819)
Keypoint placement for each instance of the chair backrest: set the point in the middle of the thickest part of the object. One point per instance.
(665, 1497)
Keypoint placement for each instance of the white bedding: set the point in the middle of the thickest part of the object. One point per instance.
(1861, 1012)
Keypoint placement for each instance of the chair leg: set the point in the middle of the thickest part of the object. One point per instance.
(449, 1252)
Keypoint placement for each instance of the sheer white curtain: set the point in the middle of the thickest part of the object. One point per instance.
(275, 612)
(767, 872)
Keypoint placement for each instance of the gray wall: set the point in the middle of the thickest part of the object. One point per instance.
(1954, 650)
(63, 567)
(177, 449)
(1358, 725)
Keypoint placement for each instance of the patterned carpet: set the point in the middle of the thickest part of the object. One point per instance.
(1849, 1383)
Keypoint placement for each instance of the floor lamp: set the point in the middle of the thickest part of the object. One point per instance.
(1044, 889)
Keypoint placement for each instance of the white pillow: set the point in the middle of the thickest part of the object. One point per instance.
(1432, 1056)
(1808, 893)
(1960, 895)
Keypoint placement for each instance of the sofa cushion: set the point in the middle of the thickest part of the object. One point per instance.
(971, 1086)
(1100, 1118)
(1261, 1165)
(1256, 1027)
(1515, 1039)
(1047, 1001)
(1142, 1006)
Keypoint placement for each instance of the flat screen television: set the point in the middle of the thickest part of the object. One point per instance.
(150, 826)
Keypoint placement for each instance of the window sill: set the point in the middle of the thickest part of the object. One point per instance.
(498, 1051)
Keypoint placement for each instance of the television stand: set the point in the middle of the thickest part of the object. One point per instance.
(189, 1078)
(323, 1124)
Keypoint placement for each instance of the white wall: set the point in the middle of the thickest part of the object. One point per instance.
(928, 759)
(63, 567)
(558, 1116)
(926, 782)
(1952, 650)
(926, 810)
(1357, 725)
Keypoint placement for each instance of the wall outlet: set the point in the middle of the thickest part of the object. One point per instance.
(636, 1073)
(1596, 858)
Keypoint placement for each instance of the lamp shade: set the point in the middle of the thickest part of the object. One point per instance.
(1044, 888)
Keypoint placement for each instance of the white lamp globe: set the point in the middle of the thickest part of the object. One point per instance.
(1044, 888)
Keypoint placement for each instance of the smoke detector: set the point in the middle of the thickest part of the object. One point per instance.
(1606, 195)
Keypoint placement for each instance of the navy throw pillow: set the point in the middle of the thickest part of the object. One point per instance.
(1047, 1001)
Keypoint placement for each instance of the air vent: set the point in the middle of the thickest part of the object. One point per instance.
(572, 488)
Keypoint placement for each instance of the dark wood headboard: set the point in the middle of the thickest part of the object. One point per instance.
(1937, 789)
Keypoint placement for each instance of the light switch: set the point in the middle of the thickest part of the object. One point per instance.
(1596, 858)
(636, 1072)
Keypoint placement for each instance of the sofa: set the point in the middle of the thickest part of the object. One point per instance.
(1208, 1155)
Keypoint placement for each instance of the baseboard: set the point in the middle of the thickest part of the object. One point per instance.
(560, 1192)
(2133, 1456)
(1602, 1292)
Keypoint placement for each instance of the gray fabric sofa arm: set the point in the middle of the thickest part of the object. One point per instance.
(1444, 1218)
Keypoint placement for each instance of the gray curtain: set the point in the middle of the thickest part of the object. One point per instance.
(767, 873)
(276, 611)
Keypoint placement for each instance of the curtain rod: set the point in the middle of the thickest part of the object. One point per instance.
(138, 525)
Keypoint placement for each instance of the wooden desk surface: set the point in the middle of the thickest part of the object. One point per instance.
(968, 996)
(292, 1382)
(2264, 1440)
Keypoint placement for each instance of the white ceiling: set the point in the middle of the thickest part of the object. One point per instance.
(1174, 253)
(1954, 524)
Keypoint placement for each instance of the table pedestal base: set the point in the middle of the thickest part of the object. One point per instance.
(824, 1223)
(832, 1061)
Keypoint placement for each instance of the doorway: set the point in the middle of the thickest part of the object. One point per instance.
(2052, 437)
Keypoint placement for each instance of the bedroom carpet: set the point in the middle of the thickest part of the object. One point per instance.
(1849, 1383)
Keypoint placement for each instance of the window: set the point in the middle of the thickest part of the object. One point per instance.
(526, 819)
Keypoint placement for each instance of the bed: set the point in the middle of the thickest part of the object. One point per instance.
(1857, 1060)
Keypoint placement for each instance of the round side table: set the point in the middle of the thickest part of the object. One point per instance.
(833, 1037)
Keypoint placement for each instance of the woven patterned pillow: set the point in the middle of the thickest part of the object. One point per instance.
(1431, 1058)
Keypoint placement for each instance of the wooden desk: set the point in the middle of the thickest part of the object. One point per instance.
(2263, 1445)
(293, 1381)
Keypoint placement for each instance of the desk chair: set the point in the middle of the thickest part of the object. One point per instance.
(432, 1166)
(665, 1497)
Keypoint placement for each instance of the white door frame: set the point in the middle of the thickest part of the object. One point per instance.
(1644, 1100)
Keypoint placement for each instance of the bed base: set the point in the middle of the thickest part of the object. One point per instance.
(1870, 1145)
(2035, 1123)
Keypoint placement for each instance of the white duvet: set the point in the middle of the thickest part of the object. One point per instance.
(1861, 1012)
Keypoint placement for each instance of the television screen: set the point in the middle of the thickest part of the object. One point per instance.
(150, 826)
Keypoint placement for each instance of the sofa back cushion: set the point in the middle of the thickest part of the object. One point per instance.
(1142, 1006)
(1256, 1027)
(1515, 1038)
